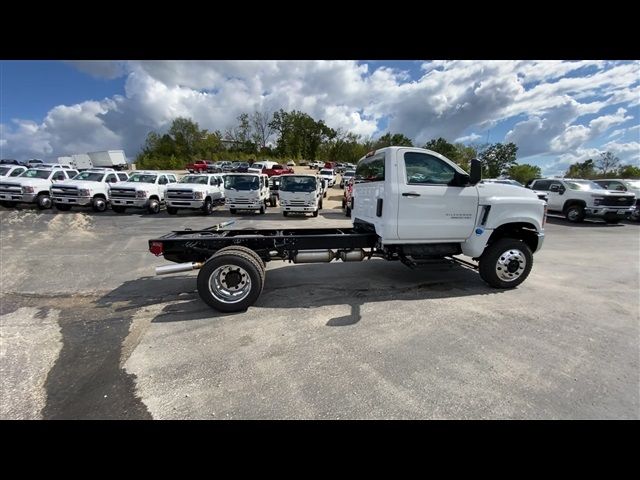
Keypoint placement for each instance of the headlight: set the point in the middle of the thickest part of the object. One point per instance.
(83, 192)
(198, 195)
(27, 189)
(141, 194)
(598, 200)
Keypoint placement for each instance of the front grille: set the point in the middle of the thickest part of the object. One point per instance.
(65, 191)
(179, 194)
(297, 203)
(617, 201)
(10, 188)
(123, 193)
(240, 200)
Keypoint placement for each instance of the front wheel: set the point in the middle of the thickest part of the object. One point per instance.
(207, 208)
(506, 263)
(574, 213)
(230, 281)
(99, 204)
(154, 206)
(43, 201)
(263, 209)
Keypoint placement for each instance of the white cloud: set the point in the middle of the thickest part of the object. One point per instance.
(451, 98)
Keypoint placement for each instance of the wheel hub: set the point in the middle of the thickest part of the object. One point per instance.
(510, 265)
(230, 283)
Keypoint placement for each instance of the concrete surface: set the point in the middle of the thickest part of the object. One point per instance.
(87, 331)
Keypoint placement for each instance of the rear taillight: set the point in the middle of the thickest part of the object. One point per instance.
(156, 248)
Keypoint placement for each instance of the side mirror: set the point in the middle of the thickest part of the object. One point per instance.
(554, 188)
(476, 171)
(459, 180)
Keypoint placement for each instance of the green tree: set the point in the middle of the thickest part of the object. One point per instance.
(607, 162)
(584, 169)
(187, 135)
(393, 140)
(498, 158)
(441, 146)
(524, 172)
(628, 171)
(299, 135)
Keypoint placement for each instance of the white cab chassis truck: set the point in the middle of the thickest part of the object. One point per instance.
(144, 189)
(33, 185)
(412, 205)
(195, 192)
(246, 191)
(300, 194)
(89, 188)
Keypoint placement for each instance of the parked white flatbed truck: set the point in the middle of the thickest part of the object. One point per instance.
(412, 205)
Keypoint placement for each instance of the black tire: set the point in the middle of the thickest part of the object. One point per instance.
(272, 202)
(344, 202)
(285, 214)
(172, 210)
(347, 212)
(500, 250)
(315, 213)
(154, 206)
(248, 251)
(320, 205)
(263, 209)
(62, 207)
(574, 213)
(324, 195)
(118, 208)
(43, 201)
(6, 204)
(233, 257)
(232, 211)
(207, 208)
(99, 204)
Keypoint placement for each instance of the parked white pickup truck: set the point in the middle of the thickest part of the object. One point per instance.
(328, 175)
(578, 199)
(142, 190)
(9, 171)
(300, 194)
(89, 188)
(195, 192)
(246, 191)
(33, 186)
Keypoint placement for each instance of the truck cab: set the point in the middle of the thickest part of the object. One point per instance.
(329, 175)
(89, 188)
(9, 171)
(195, 192)
(300, 194)
(624, 185)
(425, 204)
(143, 189)
(32, 186)
(246, 191)
(578, 199)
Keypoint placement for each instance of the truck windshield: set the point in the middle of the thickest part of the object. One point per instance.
(4, 170)
(143, 178)
(198, 179)
(583, 185)
(36, 174)
(326, 172)
(89, 177)
(349, 173)
(297, 184)
(241, 182)
(633, 184)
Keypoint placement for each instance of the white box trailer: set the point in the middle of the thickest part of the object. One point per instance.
(109, 159)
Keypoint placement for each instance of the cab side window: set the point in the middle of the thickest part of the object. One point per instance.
(371, 169)
(172, 178)
(122, 177)
(59, 176)
(425, 169)
(111, 178)
(542, 185)
(17, 172)
(163, 180)
(71, 173)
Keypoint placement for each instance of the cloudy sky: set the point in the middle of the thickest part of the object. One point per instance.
(556, 112)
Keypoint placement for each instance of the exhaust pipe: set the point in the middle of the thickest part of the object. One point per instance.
(356, 255)
(179, 267)
(314, 256)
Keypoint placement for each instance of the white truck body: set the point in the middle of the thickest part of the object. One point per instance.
(195, 192)
(89, 188)
(115, 159)
(246, 191)
(408, 195)
(257, 167)
(578, 199)
(144, 189)
(300, 193)
(33, 186)
(80, 161)
(329, 175)
(9, 171)
(624, 185)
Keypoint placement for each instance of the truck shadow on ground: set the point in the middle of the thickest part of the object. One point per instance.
(310, 286)
(587, 223)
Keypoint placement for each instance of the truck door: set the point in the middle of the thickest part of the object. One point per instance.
(556, 200)
(429, 208)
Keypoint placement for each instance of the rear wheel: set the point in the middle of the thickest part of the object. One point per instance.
(263, 209)
(207, 208)
(231, 280)
(172, 210)
(315, 213)
(99, 204)
(574, 213)
(118, 208)
(43, 201)
(506, 263)
(62, 207)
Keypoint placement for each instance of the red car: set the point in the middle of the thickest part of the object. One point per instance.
(199, 166)
(347, 198)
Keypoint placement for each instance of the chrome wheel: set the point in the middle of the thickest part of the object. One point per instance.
(510, 265)
(573, 214)
(230, 284)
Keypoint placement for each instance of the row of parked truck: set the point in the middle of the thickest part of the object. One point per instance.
(64, 188)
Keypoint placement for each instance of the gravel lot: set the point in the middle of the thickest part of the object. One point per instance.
(87, 331)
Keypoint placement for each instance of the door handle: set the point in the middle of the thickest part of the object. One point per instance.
(410, 194)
